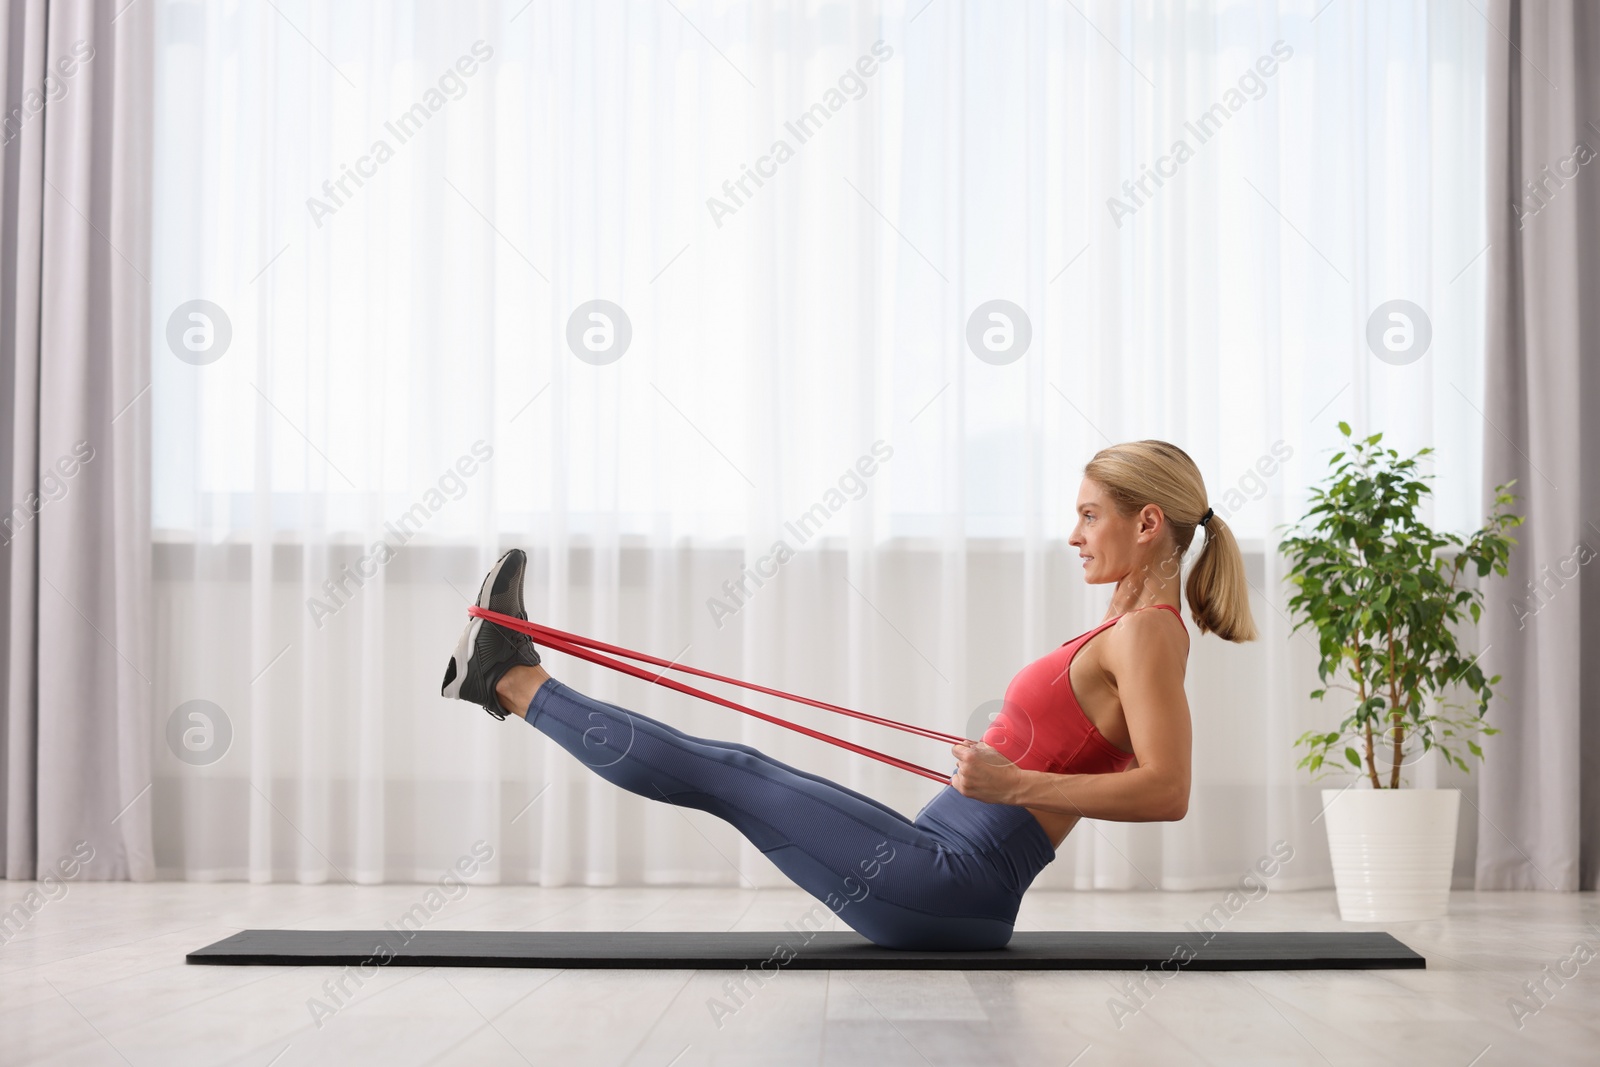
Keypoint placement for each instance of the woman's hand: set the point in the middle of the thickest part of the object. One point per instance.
(984, 774)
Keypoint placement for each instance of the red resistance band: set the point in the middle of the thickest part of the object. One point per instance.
(584, 648)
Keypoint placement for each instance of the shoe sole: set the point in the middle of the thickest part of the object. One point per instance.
(460, 659)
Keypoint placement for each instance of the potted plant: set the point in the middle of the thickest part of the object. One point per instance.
(1383, 594)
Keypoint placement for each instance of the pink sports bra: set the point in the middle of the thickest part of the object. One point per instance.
(1042, 727)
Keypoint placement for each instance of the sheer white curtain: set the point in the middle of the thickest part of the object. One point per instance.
(399, 213)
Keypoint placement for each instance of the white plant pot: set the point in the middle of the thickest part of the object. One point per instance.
(1392, 850)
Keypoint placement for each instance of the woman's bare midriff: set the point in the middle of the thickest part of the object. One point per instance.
(1103, 707)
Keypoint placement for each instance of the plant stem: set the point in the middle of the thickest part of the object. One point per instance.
(1372, 768)
(1399, 734)
(1394, 711)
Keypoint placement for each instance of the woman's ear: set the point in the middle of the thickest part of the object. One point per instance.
(1151, 520)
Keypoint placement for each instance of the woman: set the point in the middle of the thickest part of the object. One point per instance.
(1098, 728)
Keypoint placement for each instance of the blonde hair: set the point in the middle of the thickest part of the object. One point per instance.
(1138, 473)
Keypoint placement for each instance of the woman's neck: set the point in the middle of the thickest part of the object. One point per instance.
(1142, 589)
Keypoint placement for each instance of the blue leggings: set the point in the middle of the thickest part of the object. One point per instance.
(951, 879)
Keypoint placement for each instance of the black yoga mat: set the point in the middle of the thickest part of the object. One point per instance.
(811, 950)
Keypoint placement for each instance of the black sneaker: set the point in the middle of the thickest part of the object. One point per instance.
(487, 650)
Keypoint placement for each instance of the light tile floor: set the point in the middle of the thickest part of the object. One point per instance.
(97, 977)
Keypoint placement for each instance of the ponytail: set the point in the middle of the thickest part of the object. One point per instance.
(1137, 473)
(1219, 596)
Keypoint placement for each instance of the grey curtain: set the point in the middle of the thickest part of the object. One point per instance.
(75, 638)
(1539, 798)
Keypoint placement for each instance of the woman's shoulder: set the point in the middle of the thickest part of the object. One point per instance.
(1151, 628)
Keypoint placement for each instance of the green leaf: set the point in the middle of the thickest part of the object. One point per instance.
(1353, 756)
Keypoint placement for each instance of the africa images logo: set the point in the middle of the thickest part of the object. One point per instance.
(802, 128)
(1251, 85)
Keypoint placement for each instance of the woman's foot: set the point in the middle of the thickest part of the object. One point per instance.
(486, 650)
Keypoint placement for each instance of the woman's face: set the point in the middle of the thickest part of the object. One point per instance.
(1109, 543)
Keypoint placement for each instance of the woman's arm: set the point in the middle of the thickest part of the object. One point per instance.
(1145, 657)
(1131, 796)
